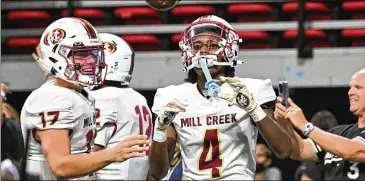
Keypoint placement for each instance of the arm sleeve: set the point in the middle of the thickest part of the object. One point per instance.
(51, 111)
(104, 134)
(361, 137)
(265, 94)
(162, 98)
(319, 151)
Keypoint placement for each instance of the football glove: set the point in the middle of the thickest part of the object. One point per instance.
(168, 114)
(164, 120)
(235, 92)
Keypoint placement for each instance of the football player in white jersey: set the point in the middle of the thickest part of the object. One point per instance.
(217, 133)
(61, 113)
(121, 111)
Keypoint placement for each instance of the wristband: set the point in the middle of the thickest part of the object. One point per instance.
(159, 135)
(257, 114)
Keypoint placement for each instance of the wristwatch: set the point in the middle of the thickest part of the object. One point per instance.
(308, 128)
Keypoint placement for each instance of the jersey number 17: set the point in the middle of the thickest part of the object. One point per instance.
(144, 116)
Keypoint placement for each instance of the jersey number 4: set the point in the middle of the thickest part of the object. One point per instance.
(144, 117)
(210, 155)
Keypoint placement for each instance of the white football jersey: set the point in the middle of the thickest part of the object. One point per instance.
(217, 141)
(122, 112)
(54, 107)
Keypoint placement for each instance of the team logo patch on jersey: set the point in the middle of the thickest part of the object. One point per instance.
(109, 48)
(242, 100)
(54, 36)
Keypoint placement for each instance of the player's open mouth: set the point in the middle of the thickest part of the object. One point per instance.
(87, 71)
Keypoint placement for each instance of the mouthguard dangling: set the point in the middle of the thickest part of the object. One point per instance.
(211, 84)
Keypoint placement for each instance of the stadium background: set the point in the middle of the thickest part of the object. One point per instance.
(273, 47)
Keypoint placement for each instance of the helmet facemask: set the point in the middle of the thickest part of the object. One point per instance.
(85, 64)
(221, 38)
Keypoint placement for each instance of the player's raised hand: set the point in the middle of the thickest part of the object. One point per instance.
(237, 94)
(169, 112)
(132, 146)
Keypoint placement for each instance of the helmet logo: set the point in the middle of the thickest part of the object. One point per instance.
(54, 36)
(116, 65)
(205, 18)
(109, 48)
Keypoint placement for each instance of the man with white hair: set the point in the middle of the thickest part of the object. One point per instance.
(342, 149)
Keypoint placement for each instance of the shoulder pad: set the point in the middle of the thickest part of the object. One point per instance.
(262, 90)
(50, 107)
(163, 96)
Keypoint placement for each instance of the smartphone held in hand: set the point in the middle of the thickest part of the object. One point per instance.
(284, 92)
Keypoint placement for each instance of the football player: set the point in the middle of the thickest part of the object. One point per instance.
(121, 111)
(217, 132)
(341, 150)
(61, 113)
